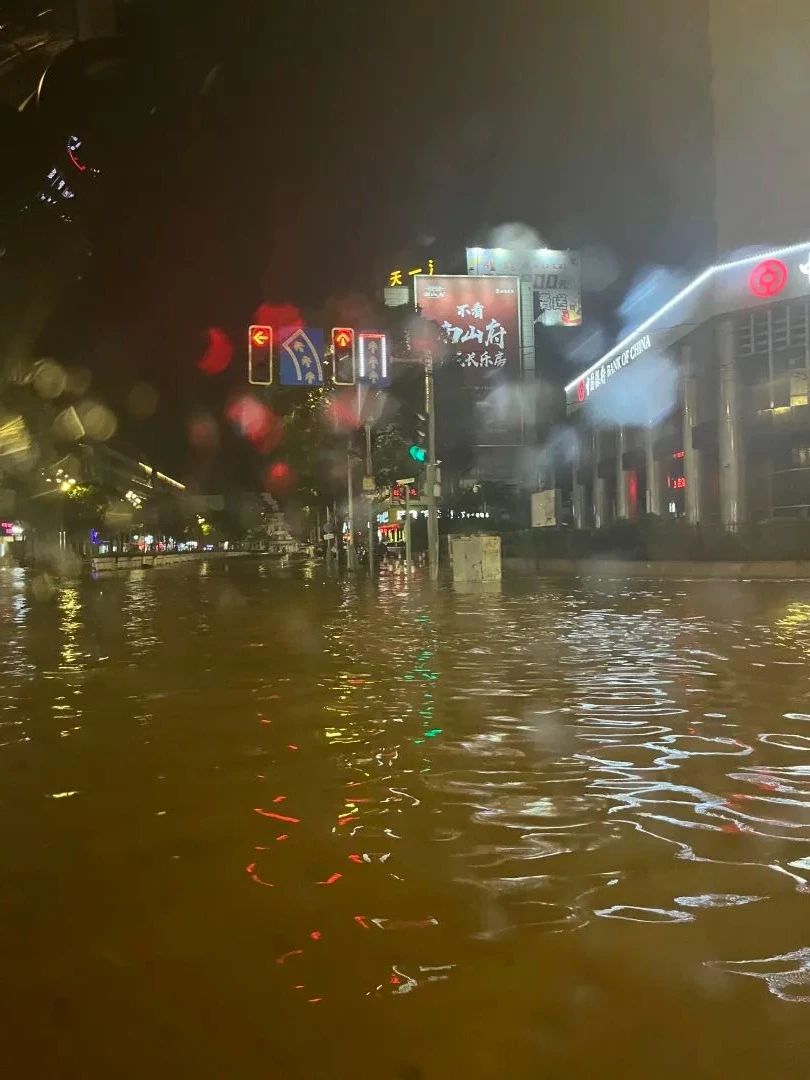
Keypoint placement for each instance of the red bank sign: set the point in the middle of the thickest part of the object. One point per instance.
(480, 318)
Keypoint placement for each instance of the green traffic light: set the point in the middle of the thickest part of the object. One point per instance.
(418, 453)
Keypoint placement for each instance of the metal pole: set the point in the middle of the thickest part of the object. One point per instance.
(433, 513)
(408, 527)
(350, 553)
(372, 532)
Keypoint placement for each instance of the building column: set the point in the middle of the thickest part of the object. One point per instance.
(578, 488)
(692, 462)
(622, 500)
(654, 495)
(600, 514)
(729, 434)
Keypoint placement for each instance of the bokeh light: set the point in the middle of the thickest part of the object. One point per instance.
(279, 478)
(219, 353)
(250, 418)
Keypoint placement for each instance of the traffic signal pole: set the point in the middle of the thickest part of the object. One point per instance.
(370, 502)
(433, 510)
(350, 552)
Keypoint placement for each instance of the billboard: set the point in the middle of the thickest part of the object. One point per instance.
(480, 317)
(554, 276)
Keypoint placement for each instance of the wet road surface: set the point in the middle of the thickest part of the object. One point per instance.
(268, 823)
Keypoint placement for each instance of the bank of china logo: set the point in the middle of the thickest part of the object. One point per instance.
(804, 268)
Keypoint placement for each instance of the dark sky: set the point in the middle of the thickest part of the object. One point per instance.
(336, 136)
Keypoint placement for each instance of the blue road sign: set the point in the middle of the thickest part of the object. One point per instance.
(300, 355)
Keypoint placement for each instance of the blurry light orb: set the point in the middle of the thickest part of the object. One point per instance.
(250, 418)
(99, 421)
(78, 381)
(50, 379)
(203, 432)
(280, 478)
(219, 353)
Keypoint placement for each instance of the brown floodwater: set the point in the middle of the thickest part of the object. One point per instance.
(268, 822)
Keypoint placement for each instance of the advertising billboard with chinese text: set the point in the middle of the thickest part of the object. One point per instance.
(554, 276)
(480, 318)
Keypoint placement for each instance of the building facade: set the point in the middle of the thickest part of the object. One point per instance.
(702, 411)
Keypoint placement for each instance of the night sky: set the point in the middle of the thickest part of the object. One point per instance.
(334, 139)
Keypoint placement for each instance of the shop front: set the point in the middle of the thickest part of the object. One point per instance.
(702, 412)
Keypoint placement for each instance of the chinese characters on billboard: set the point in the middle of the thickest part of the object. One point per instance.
(554, 276)
(480, 319)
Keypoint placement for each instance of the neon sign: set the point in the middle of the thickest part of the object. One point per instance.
(768, 278)
(395, 276)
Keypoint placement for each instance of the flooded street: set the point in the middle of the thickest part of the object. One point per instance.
(272, 823)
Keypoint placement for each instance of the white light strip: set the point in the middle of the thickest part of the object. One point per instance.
(699, 280)
(362, 356)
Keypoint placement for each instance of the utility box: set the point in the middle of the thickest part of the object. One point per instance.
(475, 558)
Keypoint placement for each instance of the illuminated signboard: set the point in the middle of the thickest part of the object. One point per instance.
(737, 285)
(480, 319)
(400, 277)
(398, 491)
(555, 278)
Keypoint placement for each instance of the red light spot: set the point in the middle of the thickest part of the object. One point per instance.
(260, 336)
(395, 980)
(251, 869)
(279, 478)
(292, 746)
(278, 315)
(284, 836)
(250, 418)
(581, 390)
(279, 798)
(315, 935)
(768, 278)
(203, 433)
(732, 827)
(356, 858)
(219, 353)
(331, 879)
(76, 161)
(278, 817)
(763, 785)
(345, 819)
(362, 920)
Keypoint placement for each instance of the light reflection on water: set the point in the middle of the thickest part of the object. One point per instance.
(573, 809)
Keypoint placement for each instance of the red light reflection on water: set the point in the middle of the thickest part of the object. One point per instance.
(278, 817)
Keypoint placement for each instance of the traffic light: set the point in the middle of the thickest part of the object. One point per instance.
(344, 352)
(260, 355)
(417, 450)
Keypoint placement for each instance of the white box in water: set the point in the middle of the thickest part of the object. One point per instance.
(476, 558)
